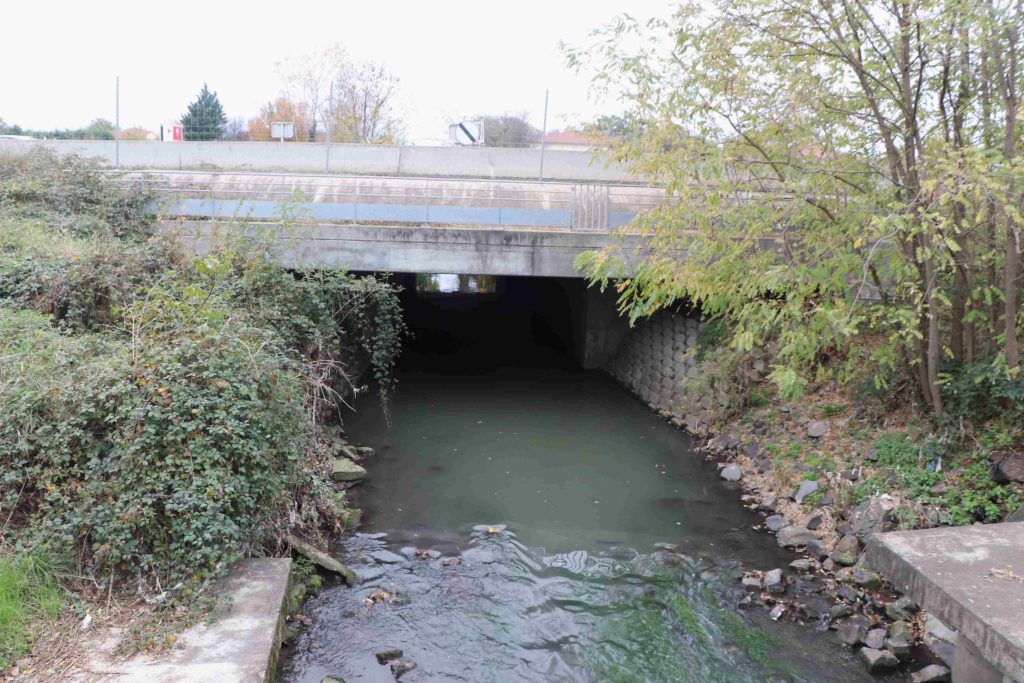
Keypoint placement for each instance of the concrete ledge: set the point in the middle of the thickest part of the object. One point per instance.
(971, 578)
(406, 249)
(240, 644)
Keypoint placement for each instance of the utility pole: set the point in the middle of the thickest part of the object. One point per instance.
(543, 136)
(330, 117)
(117, 122)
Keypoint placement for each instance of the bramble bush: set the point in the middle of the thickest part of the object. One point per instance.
(163, 413)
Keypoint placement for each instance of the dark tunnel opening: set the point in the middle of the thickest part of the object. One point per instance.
(524, 323)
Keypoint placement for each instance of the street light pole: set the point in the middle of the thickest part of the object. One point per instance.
(543, 136)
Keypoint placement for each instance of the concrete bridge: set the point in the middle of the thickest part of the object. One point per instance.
(416, 225)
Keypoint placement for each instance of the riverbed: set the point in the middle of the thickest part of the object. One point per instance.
(593, 545)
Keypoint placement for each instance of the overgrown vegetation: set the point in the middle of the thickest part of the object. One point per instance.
(164, 413)
(846, 183)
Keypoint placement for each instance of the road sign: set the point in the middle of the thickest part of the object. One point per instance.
(282, 130)
(466, 133)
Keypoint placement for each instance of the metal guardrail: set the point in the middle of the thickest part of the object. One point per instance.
(573, 206)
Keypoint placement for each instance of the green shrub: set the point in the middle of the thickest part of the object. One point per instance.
(981, 391)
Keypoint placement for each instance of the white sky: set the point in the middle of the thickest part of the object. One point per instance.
(58, 59)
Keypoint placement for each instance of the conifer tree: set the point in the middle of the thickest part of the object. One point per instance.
(205, 119)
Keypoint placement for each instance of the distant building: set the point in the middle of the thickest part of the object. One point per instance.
(569, 139)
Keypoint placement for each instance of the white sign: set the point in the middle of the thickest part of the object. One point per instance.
(466, 133)
(282, 130)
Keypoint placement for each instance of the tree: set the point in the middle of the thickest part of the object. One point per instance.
(98, 129)
(357, 101)
(236, 130)
(845, 174)
(281, 109)
(137, 133)
(205, 119)
(509, 130)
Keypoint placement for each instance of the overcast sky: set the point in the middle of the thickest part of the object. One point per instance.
(58, 60)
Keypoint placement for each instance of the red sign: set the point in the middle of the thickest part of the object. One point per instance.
(176, 134)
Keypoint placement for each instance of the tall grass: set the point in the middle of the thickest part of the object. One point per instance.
(30, 596)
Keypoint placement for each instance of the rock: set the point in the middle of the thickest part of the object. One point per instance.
(940, 639)
(816, 549)
(848, 593)
(839, 611)
(806, 488)
(847, 551)
(364, 451)
(400, 667)
(900, 630)
(777, 611)
(774, 582)
(775, 522)
(852, 633)
(450, 562)
(902, 609)
(828, 565)
(875, 638)
(794, 536)
(871, 454)
(933, 673)
(750, 450)
(817, 607)
(332, 679)
(1008, 467)
(731, 472)
(878, 661)
(874, 514)
(751, 581)
(814, 522)
(1017, 516)
(322, 559)
(385, 656)
(898, 646)
(670, 547)
(343, 469)
(859, 576)
(817, 429)
(802, 565)
(767, 504)
(764, 465)
(289, 634)
(386, 557)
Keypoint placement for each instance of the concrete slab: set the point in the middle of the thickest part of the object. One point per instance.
(972, 578)
(239, 646)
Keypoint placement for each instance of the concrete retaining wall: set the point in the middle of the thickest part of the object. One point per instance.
(657, 357)
(389, 160)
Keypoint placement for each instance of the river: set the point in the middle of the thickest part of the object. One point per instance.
(594, 545)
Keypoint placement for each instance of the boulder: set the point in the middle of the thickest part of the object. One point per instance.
(933, 673)
(400, 667)
(902, 609)
(900, 630)
(898, 646)
(814, 522)
(839, 611)
(851, 633)
(1008, 467)
(806, 488)
(731, 472)
(343, 469)
(794, 536)
(847, 551)
(322, 559)
(751, 581)
(878, 661)
(774, 582)
(332, 679)
(940, 639)
(859, 576)
(775, 522)
(817, 428)
(385, 656)
(802, 565)
(874, 514)
(816, 549)
(875, 638)
(848, 593)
